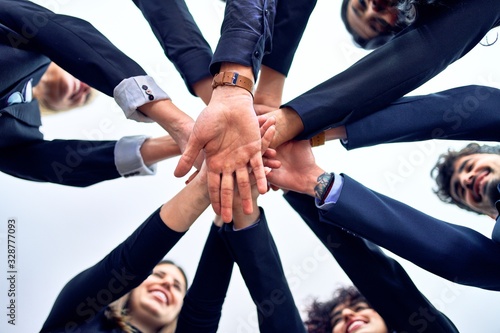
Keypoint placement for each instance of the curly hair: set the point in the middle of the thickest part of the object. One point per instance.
(407, 14)
(444, 169)
(319, 313)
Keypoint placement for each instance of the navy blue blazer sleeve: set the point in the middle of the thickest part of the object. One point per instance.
(120, 271)
(463, 113)
(381, 279)
(72, 43)
(441, 35)
(202, 307)
(258, 258)
(289, 25)
(246, 34)
(67, 162)
(456, 253)
(179, 36)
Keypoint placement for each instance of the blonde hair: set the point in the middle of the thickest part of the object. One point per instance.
(46, 110)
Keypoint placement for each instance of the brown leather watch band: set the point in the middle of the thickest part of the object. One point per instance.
(318, 139)
(232, 79)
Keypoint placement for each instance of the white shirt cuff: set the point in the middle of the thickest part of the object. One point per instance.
(136, 91)
(128, 159)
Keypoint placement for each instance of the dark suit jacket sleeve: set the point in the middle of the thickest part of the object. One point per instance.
(120, 271)
(381, 279)
(246, 34)
(256, 254)
(289, 25)
(441, 35)
(453, 252)
(68, 162)
(464, 113)
(180, 38)
(202, 306)
(72, 43)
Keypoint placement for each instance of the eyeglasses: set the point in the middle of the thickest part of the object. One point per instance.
(24, 96)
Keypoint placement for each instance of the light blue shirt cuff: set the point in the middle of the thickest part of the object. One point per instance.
(136, 91)
(334, 193)
(248, 227)
(128, 159)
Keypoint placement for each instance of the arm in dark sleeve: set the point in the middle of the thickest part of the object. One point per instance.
(72, 43)
(180, 38)
(379, 278)
(289, 25)
(246, 34)
(68, 162)
(256, 254)
(456, 253)
(441, 36)
(120, 271)
(203, 302)
(464, 113)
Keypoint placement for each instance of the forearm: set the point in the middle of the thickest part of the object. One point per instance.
(395, 69)
(456, 253)
(246, 34)
(386, 274)
(88, 55)
(202, 307)
(289, 25)
(183, 209)
(257, 256)
(154, 150)
(464, 113)
(187, 49)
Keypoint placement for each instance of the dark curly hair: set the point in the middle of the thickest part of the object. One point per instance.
(407, 14)
(319, 313)
(444, 168)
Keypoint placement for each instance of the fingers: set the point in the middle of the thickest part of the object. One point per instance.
(244, 189)
(193, 175)
(188, 158)
(226, 197)
(214, 183)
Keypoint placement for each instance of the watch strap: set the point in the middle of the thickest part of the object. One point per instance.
(233, 79)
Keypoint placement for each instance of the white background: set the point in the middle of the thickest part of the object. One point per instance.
(63, 230)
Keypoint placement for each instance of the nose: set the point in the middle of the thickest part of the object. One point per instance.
(347, 313)
(467, 179)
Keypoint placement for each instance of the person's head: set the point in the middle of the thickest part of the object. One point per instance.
(348, 311)
(373, 23)
(155, 303)
(58, 90)
(469, 178)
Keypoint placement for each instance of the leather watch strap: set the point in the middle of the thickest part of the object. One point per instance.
(318, 139)
(233, 79)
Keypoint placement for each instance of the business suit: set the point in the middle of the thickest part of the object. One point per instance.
(255, 252)
(27, 47)
(380, 279)
(462, 113)
(456, 253)
(441, 35)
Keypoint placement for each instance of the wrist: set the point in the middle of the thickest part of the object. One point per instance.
(323, 186)
(233, 79)
(288, 125)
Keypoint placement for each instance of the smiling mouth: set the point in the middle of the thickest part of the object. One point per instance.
(478, 186)
(353, 327)
(160, 296)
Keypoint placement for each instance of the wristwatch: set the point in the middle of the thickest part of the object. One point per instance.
(233, 79)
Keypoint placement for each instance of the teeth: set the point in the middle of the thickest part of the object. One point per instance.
(160, 295)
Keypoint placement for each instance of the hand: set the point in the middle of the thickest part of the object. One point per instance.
(288, 125)
(228, 131)
(298, 171)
